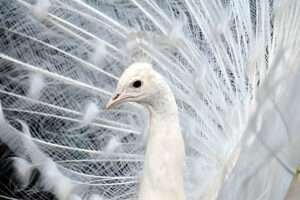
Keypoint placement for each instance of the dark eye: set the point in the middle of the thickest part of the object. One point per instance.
(137, 84)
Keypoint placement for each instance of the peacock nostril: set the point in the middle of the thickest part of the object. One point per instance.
(116, 96)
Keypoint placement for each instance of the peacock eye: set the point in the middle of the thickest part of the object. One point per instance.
(137, 84)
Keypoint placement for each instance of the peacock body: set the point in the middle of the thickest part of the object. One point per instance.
(231, 64)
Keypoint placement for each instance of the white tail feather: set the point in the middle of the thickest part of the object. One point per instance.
(232, 65)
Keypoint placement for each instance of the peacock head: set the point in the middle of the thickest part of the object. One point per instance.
(139, 83)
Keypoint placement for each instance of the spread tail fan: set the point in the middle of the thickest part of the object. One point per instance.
(269, 155)
(232, 66)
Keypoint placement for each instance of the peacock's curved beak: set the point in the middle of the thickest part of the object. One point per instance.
(115, 100)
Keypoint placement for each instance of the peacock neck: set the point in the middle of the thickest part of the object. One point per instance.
(163, 105)
(164, 159)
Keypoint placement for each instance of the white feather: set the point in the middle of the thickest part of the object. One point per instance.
(99, 54)
(36, 85)
(23, 169)
(95, 197)
(232, 66)
(112, 145)
(91, 112)
(40, 9)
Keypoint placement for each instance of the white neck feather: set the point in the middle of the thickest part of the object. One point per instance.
(163, 167)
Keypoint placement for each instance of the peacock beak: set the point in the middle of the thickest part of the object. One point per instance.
(115, 100)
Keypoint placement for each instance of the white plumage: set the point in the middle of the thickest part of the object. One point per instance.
(162, 177)
(233, 67)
